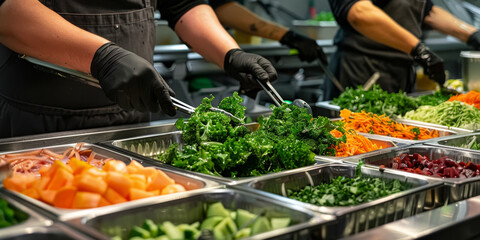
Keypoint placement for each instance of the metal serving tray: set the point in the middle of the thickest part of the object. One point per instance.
(52, 232)
(150, 146)
(458, 188)
(191, 208)
(352, 219)
(442, 131)
(191, 183)
(34, 219)
(434, 126)
(454, 142)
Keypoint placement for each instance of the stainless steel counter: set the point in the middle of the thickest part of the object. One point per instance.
(455, 221)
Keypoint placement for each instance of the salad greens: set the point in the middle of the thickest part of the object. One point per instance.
(380, 102)
(10, 216)
(375, 100)
(216, 145)
(451, 114)
(344, 191)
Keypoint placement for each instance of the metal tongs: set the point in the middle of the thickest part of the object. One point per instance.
(188, 109)
(278, 100)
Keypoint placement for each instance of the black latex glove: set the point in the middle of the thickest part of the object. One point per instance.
(431, 63)
(131, 81)
(247, 67)
(474, 40)
(308, 50)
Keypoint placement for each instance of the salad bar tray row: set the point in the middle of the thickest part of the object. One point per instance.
(267, 195)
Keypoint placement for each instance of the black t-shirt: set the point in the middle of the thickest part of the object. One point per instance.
(340, 9)
(1, 1)
(217, 3)
(173, 10)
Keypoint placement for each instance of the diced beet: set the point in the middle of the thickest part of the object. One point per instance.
(395, 165)
(462, 164)
(471, 166)
(403, 156)
(416, 156)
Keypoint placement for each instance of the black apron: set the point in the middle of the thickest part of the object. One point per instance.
(33, 101)
(358, 57)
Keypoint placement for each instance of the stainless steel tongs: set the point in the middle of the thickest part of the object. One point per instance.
(278, 100)
(188, 109)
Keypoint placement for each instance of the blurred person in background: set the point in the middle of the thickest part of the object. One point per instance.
(112, 40)
(384, 36)
(234, 15)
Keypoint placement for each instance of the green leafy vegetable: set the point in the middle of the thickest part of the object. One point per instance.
(217, 145)
(343, 191)
(376, 100)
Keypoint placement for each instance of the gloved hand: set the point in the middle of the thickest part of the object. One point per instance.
(131, 81)
(474, 40)
(307, 48)
(431, 63)
(247, 67)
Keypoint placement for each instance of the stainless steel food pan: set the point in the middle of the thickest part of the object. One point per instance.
(458, 188)
(52, 232)
(442, 131)
(191, 208)
(150, 147)
(34, 219)
(457, 142)
(353, 219)
(191, 183)
(434, 126)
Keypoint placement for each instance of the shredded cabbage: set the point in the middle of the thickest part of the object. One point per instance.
(451, 114)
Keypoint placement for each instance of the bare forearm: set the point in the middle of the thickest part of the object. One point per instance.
(375, 24)
(202, 31)
(445, 22)
(28, 27)
(238, 17)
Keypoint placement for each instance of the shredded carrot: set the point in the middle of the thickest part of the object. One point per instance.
(383, 125)
(470, 98)
(356, 144)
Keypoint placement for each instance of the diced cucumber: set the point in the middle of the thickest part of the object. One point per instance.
(261, 225)
(189, 232)
(243, 233)
(217, 209)
(139, 232)
(163, 237)
(243, 216)
(172, 232)
(233, 215)
(210, 222)
(150, 226)
(195, 225)
(278, 223)
(222, 230)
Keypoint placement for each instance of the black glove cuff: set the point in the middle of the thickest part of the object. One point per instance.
(418, 50)
(227, 62)
(474, 40)
(102, 58)
(288, 38)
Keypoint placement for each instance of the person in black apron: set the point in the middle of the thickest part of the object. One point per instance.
(34, 101)
(236, 16)
(383, 36)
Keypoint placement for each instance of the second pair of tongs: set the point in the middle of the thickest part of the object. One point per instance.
(278, 100)
(188, 109)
